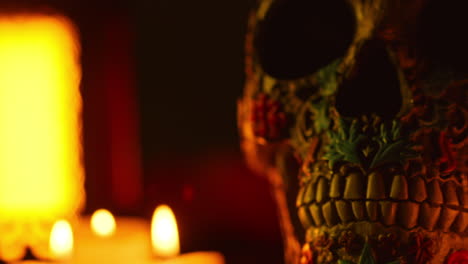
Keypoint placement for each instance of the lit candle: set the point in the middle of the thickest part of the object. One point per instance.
(165, 242)
(40, 120)
(105, 239)
(60, 244)
(103, 223)
(61, 240)
(164, 233)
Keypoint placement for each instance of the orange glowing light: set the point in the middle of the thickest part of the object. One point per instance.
(41, 175)
(164, 233)
(61, 240)
(103, 223)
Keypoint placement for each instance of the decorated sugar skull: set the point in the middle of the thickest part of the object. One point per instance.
(357, 112)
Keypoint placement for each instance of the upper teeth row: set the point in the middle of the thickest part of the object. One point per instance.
(406, 202)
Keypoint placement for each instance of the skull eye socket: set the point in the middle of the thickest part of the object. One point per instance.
(298, 37)
(442, 33)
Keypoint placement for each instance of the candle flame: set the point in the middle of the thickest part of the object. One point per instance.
(61, 240)
(164, 233)
(103, 223)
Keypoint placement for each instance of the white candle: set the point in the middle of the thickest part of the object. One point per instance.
(104, 239)
(129, 243)
(194, 258)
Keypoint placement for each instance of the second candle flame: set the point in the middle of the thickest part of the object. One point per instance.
(103, 223)
(61, 240)
(164, 233)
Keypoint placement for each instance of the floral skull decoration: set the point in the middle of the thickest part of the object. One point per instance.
(357, 112)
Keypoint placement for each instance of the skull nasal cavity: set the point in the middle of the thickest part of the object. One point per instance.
(372, 88)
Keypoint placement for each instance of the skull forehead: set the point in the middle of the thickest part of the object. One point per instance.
(352, 23)
(378, 15)
(369, 15)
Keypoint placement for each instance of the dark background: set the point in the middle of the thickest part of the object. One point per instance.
(190, 58)
(160, 84)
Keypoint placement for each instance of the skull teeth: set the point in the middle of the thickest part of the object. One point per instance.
(372, 210)
(336, 186)
(330, 214)
(305, 217)
(399, 188)
(316, 213)
(354, 188)
(447, 217)
(345, 212)
(450, 194)
(376, 187)
(461, 223)
(388, 210)
(407, 214)
(322, 190)
(418, 189)
(432, 205)
(359, 210)
(429, 216)
(309, 193)
(435, 192)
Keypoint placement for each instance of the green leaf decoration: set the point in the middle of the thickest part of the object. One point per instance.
(345, 262)
(393, 262)
(320, 115)
(384, 144)
(344, 144)
(326, 78)
(366, 256)
(393, 147)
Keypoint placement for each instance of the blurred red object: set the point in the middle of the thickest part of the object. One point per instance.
(227, 200)
(111, 116)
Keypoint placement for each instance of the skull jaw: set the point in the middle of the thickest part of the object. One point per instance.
(373, 207)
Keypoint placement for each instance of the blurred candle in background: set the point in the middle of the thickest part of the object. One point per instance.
(41, 174)
(103, 223)
(103, 238)
(61, 240)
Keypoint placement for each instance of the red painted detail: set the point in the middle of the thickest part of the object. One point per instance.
(458, 257)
